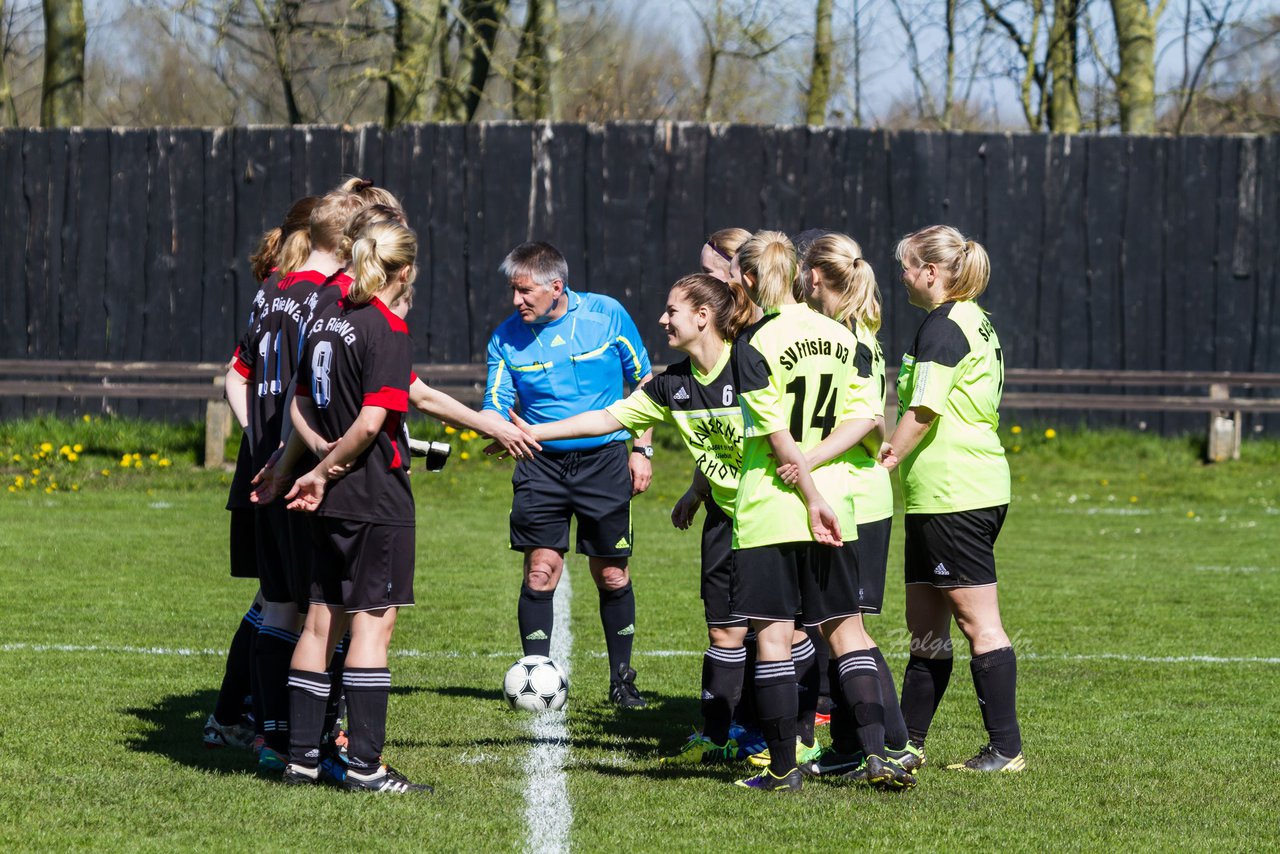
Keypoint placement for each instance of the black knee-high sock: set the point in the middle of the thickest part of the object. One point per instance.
(746, 714)
(722, 670)
(995, 679)
(367, 691)
(895, 727)
(776, 701)
(923, 685)
(860, 689)
(236, 683)
(823, 653)
(536, 615)
(308, 695)
(618, 616)
(808, 681)
(844, 734)
(272, 652)
(333, 708)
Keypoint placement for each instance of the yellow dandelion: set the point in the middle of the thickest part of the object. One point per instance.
(137, 456)
(1050, 433)
(53, 484)
(155, 457)
(105, 472)
(75, 487)
(1015, 429)
(78, 448)
(1191, 514)
(17, 458)
(164, 463)
(46, 446)
(125, 463)
(35, 471)
(85, 418)
(450, 430)
(1103, 482)
(19, 481)
(465, 455)
(64, 450)
(1133, 499)
(12, 489)
(1016, 449)
(137, 464)
(72, 457)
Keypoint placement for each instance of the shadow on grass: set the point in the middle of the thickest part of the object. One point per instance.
(468, 692)
(174, 727)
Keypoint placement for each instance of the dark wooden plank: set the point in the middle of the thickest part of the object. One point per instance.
(41, 315)
(64, 215)
(505, 160)
(1104, 223)
(646, 302)
(125, 295)
(684, 227)
(92, 208)
(1060, 340)
(1233, 294)
(593, 201)
(561, 160)
(736, 170)
(252, 152)
(186, 185)
(1199, 184)
(1014, 195)
(323, 159)
(627, 186)
(964, 197)
(221, 297)
(278, 195)
(862, 169)
(783, 193)
(821, 188)
(449, 322)
(13, 228)
(370, 165)
(1266, 325)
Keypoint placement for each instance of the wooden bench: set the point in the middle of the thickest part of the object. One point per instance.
(1210, 392)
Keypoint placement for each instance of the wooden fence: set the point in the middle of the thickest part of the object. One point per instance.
(1107, 252)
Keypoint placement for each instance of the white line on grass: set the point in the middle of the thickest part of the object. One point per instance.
(546, 793)
(563, 659)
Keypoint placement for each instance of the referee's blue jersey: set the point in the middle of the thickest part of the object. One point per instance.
(577, 363)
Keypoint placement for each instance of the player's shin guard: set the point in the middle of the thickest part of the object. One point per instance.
(367, 691)
(923, 685)
(808, 683)
(272, 654)
(995, 679)
(337, 664)
(745, 713)
(895, 727)
(618, 616)
(236, 681)
(860, 690)
(776, 702)
(536, 616)
(722, 671)
(308, 695)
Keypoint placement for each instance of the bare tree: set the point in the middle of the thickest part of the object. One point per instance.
(934, 105)
(62, 94)
(465, 72)
(535, 82)
(418, 26)
(1135, 24)
(8, 105)
(1194, 72)
(741, 30)
(820, 69)
(1047, 48)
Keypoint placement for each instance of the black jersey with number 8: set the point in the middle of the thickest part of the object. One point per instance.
(359, 355)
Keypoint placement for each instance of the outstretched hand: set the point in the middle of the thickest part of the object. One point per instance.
(307, 493)
(686, 507)
(270, 481)
(824, 524)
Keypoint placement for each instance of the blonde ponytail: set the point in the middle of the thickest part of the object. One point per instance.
(839, 258)
(964, 261)
(769, 268)
(378, 255)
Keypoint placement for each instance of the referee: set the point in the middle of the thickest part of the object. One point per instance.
(561, 353)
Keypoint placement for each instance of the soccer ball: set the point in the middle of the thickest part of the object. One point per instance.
(535, 683)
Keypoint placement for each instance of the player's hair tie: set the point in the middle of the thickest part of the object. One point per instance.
(718, 250)
(363, 184)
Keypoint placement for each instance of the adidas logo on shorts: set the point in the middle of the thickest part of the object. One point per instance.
(622, 544)
(536, 635)
(941, 570)
(682, 393)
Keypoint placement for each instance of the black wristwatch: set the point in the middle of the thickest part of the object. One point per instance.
(646, 450)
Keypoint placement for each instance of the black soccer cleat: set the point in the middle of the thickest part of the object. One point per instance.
(910, 757)
(387, 779)
(295, 776)
(881, 774)
(623, 692)
(765, 781)
(990, 760)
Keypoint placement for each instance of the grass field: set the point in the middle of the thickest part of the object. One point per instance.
(1140, 586)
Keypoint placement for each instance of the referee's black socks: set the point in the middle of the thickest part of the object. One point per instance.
(923, 685)
(722, 671)
(808, 687)
(536, 616)
(860, 691)
(618, 616)
(776, 703)
(367, 689)
(995, 679)
(308, 695)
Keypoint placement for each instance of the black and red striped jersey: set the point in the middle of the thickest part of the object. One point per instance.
(360, 355)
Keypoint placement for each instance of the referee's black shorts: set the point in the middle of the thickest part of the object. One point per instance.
(592, 485)
(953, 549)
